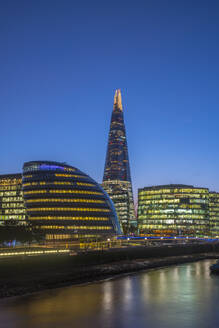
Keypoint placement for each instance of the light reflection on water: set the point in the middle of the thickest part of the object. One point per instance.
(178, 296)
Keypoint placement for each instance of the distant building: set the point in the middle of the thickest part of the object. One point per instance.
(12, 209)
(63, 203)
(214, 214)
(117, 179)
(171, 210)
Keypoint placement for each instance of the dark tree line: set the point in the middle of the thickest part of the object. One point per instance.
(23, 234)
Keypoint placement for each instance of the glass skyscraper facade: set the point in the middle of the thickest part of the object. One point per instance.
(12, 209)
(63, 203)
(117, 179)
(214, 213)
(171, 210)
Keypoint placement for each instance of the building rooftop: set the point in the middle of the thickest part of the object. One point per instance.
(171, 186)
(10, 175)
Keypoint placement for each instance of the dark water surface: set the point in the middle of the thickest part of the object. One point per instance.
(178, 296)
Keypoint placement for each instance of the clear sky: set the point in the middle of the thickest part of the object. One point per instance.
(61, 61)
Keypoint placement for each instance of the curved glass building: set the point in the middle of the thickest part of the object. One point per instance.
(65, 204)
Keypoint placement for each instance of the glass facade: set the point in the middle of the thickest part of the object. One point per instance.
(64, 203)
(117, 178)
(214, 213)
(12, 209)
(171, 210)
(120, 193)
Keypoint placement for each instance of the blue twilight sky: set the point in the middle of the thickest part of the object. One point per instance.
(61, 61)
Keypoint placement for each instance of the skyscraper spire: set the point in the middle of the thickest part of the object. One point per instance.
(117, 161)
(117, 100)
(117, 178)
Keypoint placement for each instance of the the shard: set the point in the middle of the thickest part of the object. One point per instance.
(117, 178)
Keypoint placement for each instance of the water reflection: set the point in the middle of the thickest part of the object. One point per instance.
(182, 296)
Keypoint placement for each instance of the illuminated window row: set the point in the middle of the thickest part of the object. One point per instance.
(163, 191)
(198, 201)
(12, 199)
(143, 203)
(214, 204)
(60, 237)
(69, 209)
(34, 183)
(216, 209)
(75, 218)
(172, 196)
(192, 216)
(66, 236)
(10, 181)
(12, 217)
(10, 205)
(157, 205)
(9, 193)
(187, 222)
(62, 192)
(214, 195)
(47, 183)
(69, 175)
(123, 196)
(15, 187)
(15, 211)
(160, 191)
(57, 183)
(162, 201)
(175, 227)
(69, 169)
(175, 212)
(85, 184)
(76, 227)
(214, 216)
(65, 200)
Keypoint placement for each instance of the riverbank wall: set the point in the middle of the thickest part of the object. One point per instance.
(27, 274)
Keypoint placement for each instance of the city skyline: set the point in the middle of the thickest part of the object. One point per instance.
(57, 84)
(109, 180)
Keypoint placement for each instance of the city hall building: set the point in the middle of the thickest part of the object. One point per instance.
(64, 203)
(171, 210)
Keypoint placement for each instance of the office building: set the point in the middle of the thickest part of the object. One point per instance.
(173, 210)
(214, 214)
(12, 209)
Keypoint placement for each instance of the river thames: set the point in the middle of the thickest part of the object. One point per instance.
(173, 297)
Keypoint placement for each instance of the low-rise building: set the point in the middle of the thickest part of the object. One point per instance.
(170, 210)
(214, 213)
(12, 208)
